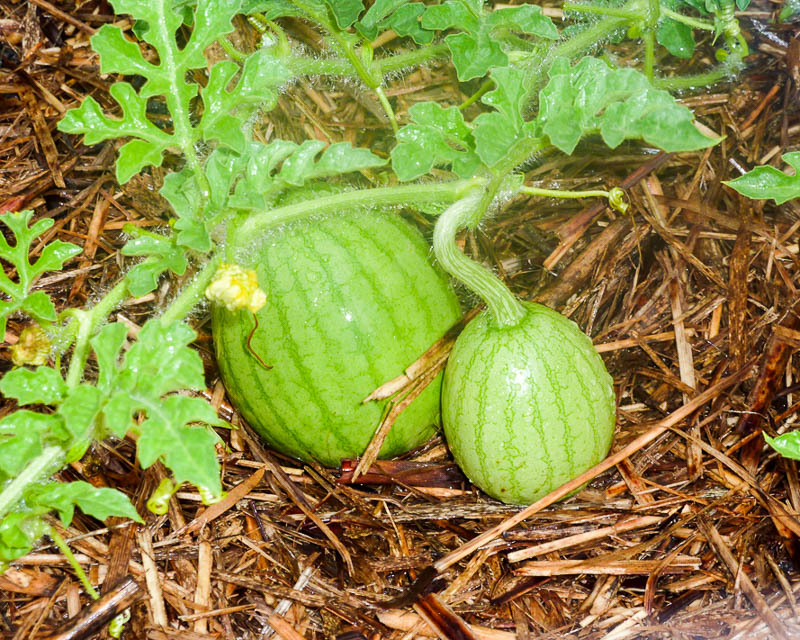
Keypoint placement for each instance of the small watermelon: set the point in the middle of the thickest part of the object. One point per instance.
(528, 407)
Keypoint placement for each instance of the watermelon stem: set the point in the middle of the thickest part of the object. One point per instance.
(252, 226)
(504, 306)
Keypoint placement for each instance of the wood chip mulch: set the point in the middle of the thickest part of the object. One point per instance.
(691, 531)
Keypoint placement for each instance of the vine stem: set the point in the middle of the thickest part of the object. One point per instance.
(63, 547)
(506, 310)
(41, 467)
(191, 295)
(384, 196)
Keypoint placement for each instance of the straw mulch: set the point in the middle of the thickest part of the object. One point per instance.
(692, 530)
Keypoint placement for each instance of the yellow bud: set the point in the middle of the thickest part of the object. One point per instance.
(236, 288)
(33, 347)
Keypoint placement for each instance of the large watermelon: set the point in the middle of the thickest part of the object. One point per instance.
(353, 299)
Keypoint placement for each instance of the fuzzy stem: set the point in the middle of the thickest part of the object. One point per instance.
(690, 82)
(505, 308)
(73, 561)
(300, 65)
(81, 350)
(694, 23)
(191, 295)
(384, 196)
(387, 107)
(37, 470)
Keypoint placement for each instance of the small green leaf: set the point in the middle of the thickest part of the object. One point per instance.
(255, 88)
(52, 258)
(99, 503)
(763, 183)
(43, 385)
(22, 434)
(162, 255)
(79, 410)
(16, 537)
(107, 345)
(676, 37)
(480, 45)
(436, 137)
(346, 12)
(788, 444)
(527, 19)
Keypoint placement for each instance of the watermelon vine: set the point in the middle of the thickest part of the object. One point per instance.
(229, 194)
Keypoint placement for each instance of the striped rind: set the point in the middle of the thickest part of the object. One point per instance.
(352, 300)
(526, 408)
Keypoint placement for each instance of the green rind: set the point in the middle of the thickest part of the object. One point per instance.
(352, 301)
(526, 408)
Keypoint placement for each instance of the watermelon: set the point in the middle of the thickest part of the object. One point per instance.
(526, 407)
(353, 299)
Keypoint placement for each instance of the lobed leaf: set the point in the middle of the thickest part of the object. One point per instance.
(163, 254)
(436, 137)
(618, 104)
(479, 47)
(280, 164)
(38, 304)
(63, 497)
(346, 12)
(763, 183)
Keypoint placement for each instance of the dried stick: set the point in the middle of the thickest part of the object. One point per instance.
(100, 612)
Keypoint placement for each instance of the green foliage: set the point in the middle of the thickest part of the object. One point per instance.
(478, 47)
(763, 183)
(272, 168)
(618, 104)
(37, 304)
(225, 110)
(436, 136)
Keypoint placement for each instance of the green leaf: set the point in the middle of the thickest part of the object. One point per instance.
(480, 46)
(346, 12)
(99, 503)
(436, 137)
(189, 452)
(159, 23)
(53, 256)
(16, 537)
(22, 437)
(162, 255)
(400, 15)
(159, 362)
(226, 112)
(405, 22)
(618, 104)
(107, 345)
(336, 159)
(280, 164)
(788, 444)
(79, 411)
(96, 127)
(43, 385)
(527, 19)
(763, 183)
(497, 133)
(676, 37)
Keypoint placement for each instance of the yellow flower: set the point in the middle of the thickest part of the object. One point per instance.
(236, 288)
(33, 347)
